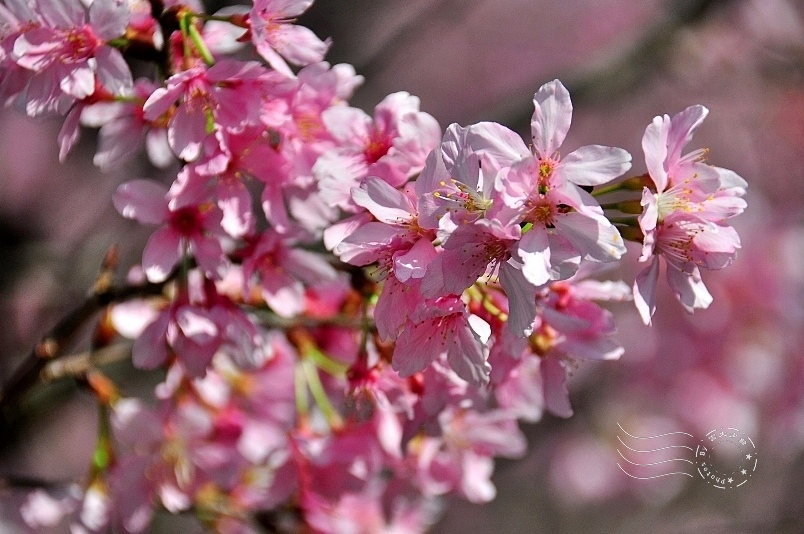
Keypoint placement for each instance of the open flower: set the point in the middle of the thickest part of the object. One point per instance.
(190, 222)
(64, 46)
(277, 40)
(684, 219)
(546, 189)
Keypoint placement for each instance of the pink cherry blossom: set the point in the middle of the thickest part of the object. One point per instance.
(191, 223)
(461, 181)
(392, 146)
(684, 220)
(227, 96)
(64, 46)
(545, 188)
(395, 241)
(443, 327)
(281, 272)
(277, 40)
(121, 123)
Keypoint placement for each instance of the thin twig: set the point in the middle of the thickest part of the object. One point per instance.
(77, 365)
(55, 342)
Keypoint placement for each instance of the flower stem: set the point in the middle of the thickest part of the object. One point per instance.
(200, 46)
(628, 221)
(634, 183)
(626, 206)
(327, 364)
(302, 401)
(320, 394)
(103, 456)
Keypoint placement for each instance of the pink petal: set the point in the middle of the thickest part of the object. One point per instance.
(162, 100)
(716, 247)
(266, 50)
(647, 222)
(654, 144)
(112, 69)
(534, 252)
(521, 299)
(161, 254)
(466, 356)
(416, 347)
(367, 244)
(556, 395)
(594, 165)
(209, 255)
(347, 124)
(158, 148)
(196, 324)
(116, 143)
(682, 126)
(491, 139)
(143, 200)
(109, 18)
(78, 81)
(414, 262)
(395, 303)
(273, 205)
(63, 14)
(309, 267)
(234, 201)
(645, 291)
(689, 289)
(551, 117)
(150, 350)
(187, 131)
(594, 237)
(337, 174)
(70, 131)
(132, 317)
(339, 231)
(34, 49)
(284, 295)
(298, 44)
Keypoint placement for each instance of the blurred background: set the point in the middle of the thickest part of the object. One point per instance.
(738, 364)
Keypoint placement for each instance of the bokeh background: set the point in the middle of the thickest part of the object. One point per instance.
(739, 364)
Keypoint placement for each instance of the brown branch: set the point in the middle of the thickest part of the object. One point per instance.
(55, 342)
(77, 365)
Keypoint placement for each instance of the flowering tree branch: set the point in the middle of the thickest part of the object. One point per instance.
(289, 380)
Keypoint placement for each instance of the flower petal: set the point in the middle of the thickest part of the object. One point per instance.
(551, 117)
(645, 291)
(534, 251)
(594, 165)
(689, 289)
(143, 200)
(161, 254)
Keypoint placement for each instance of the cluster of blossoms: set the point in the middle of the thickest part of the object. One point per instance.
(363, 338)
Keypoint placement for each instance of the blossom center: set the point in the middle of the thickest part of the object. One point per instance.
(187, 221)
(377, 146)
(79, 44)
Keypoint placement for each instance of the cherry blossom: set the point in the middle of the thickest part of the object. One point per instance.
(684, 220)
